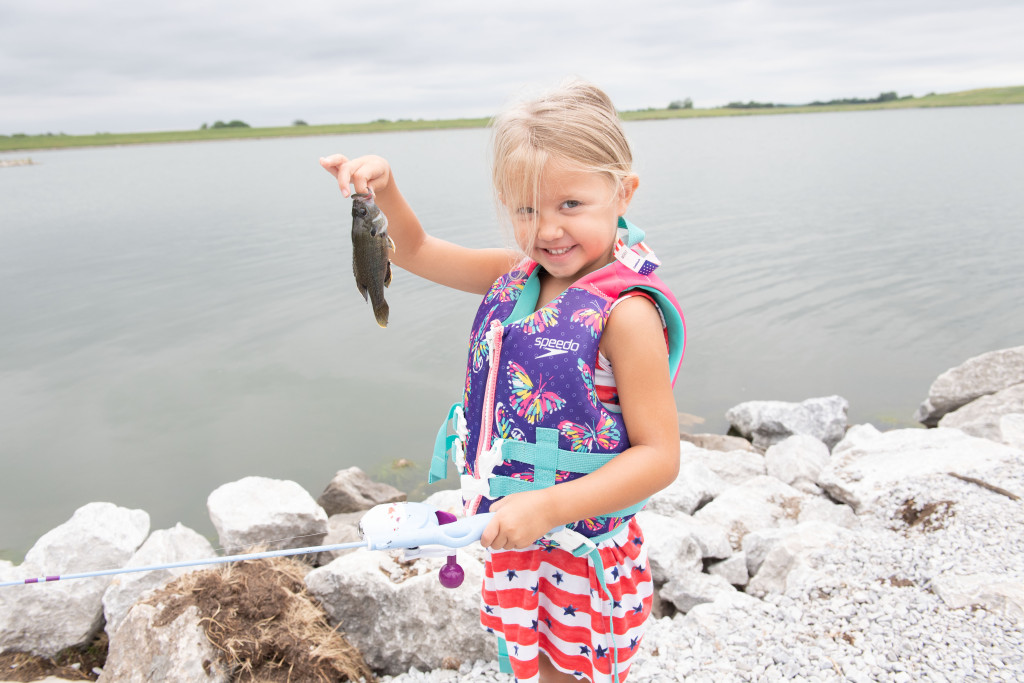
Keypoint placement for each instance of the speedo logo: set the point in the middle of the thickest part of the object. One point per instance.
(554, 347)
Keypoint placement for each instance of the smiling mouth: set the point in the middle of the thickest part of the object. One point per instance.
(558, 252)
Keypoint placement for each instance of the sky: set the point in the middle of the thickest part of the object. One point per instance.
(75, 67)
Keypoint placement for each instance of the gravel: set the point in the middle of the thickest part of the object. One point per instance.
(864, 611)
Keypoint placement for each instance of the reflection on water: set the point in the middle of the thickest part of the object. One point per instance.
(176, 317)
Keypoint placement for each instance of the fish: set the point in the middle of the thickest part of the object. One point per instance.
(370, 263)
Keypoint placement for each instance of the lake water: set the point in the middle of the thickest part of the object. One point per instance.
(176, 317)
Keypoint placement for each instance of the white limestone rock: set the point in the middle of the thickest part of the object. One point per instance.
(177, 544)
(351, 490)
(815, 509)
(732, 569)
(983, 417)
(694, 487)
(796, 460)
(256, 510)
(860, 474)
(735, 467)
(341, 528)
(768, 422)
(985, 374)
(718, 442)
(857, 435)
(757, 545)
(790, 552)
(1000, 594)
(381, 604)
(695, 588)
(142, 652)
(1011, 430)
(759, 503)
(45, 619)
(671, 551)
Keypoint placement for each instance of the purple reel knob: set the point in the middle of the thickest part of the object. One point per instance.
(451, 574)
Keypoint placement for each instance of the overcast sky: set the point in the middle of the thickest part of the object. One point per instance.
(83, 66)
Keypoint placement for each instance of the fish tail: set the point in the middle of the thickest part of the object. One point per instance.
(380, 312)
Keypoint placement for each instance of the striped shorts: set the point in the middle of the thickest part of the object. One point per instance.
(545, 600)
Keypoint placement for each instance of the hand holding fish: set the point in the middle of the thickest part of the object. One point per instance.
(368, 174)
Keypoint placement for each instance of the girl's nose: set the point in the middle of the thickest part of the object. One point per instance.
(548, 228)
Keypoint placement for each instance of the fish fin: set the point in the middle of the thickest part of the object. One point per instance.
(391, 243)
(363, 290)
(387, 275)
(380, 312)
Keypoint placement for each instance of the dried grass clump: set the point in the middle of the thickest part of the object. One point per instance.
(260, 616)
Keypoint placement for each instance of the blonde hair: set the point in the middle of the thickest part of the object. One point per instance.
(575, 124)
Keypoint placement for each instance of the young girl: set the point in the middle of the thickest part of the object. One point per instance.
(568, 420)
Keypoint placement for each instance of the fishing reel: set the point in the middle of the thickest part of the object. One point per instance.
(423, 531)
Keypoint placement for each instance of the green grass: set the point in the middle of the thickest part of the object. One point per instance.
(966, 98)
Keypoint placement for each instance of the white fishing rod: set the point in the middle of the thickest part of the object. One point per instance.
(391, 526)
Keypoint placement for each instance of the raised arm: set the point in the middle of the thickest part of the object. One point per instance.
(446, 263)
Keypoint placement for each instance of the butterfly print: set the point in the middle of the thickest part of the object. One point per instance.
(542, 319)
(504, 425)
(478, 347)
(529, 399)
(588, 381)
(584, 437)
(590, 318)
(508, 288)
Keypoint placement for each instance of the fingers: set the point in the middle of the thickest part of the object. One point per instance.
(358, 173)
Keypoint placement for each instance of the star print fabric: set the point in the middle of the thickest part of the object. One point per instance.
(544, 599)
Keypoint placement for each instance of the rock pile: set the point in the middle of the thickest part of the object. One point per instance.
(835, 556)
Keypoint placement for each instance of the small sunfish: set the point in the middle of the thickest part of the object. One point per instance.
(370, 262)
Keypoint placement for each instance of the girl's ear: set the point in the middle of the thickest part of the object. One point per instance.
(628, 188)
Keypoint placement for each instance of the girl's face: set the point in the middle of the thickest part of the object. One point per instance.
(571, 231)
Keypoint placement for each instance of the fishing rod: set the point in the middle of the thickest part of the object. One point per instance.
(415, 527)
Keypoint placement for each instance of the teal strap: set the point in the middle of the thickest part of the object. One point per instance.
(635, 235)
(504, 665)
(674, 325)
(442, 446)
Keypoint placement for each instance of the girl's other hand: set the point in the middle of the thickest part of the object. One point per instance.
(366, 174)
(519, 520)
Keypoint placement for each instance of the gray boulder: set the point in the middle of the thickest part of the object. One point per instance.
(790, 553)
(860, 474)
(257, 511)
(163, 546)
(797, 460)
(983, 417)
(768, 422)
(759, 503)
(45, 619)
(995, 593)
(695, 588)
(351, 490)
(674, 553)
(398, 615)
(694, 487)
(145, 650)
(978, 376)
(734, 467)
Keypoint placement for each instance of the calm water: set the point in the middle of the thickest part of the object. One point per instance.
(176, 317)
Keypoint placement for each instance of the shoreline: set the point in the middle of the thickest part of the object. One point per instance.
(20, 143)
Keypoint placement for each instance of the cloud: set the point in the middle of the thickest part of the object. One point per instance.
(119, 65)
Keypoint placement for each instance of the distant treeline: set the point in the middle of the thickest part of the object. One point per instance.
(883, 97)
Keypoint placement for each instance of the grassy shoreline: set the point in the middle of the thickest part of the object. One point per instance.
(966, 98)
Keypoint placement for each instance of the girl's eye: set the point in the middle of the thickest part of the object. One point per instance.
(570, 204)
(524, 210)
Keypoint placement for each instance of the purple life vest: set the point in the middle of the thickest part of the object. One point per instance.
(530, 379)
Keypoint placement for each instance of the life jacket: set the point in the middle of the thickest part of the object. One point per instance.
(530, 415)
